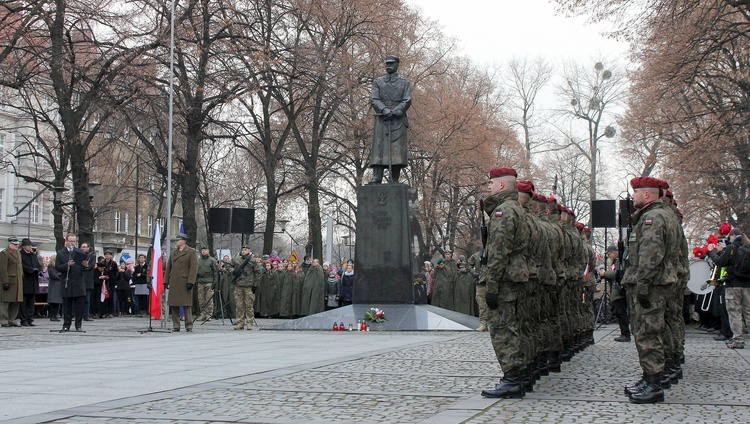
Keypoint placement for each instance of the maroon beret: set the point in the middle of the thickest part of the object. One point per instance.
(579, 226)
(525, 186)
(586, 229)
(539, 198)
(561, 208)
(501, 172)
(650, 182)
(668, 194)
(551, 198)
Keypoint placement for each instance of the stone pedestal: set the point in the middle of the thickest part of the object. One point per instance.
(387, 249)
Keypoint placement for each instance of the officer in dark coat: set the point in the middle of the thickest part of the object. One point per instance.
(31, 270)
(390, 98)
(11, 280)
(71, 275)
(181, 273)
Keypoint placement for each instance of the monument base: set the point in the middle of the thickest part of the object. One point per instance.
(400, 318)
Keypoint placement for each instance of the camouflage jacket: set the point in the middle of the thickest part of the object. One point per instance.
(207, 270)
(506, 244)
(652, 247)
(576, 259)
(251, 273)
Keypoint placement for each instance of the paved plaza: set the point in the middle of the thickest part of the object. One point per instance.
(114, 374)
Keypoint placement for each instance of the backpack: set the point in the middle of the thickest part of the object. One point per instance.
(742, 262)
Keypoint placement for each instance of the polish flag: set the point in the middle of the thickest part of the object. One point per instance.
(105, 292)
(586, 272)
(157, 277)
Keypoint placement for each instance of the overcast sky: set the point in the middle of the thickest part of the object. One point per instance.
(492, 31)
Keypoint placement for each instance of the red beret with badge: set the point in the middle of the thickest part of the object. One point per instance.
(501, 172)
(525, 186)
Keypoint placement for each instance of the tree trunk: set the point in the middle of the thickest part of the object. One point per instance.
(313, 216)
(190, 182)
(84, 212)
(270, 209)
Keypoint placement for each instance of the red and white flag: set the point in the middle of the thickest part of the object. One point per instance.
(105, 292)
(586, 272)
(157, 277)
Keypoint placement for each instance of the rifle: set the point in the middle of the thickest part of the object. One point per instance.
(238, 271)
(483, 230)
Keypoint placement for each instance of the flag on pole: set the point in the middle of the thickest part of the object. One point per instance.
(586, 272)
(157, 277)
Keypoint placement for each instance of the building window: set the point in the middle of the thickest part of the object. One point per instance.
(36, 210)
(139, 224)
(150, 227)
(2, 203)
(127, 222)
(161, 225)
(2, 146)
(118, 222)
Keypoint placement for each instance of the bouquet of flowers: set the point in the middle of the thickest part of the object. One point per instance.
(375, 315)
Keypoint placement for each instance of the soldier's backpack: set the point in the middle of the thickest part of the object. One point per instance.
(742, 262)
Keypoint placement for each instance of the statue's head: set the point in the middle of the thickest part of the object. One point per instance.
(391, 64)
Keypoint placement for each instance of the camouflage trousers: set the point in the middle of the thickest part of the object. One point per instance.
(206, 299)
(647, 325)
(673, 333)
(505, 334)
(564, 319)
(549, 316)
(528, 314)
(588, 308)
(482, 303)
(243, 301)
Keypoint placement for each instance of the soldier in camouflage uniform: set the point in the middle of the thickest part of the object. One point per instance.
(552, 343)
(530, 303)
(206, 280)
(650, 277)
(475, 262)
(246, 275)
(558, 250)
(504, 276)
(589, 286)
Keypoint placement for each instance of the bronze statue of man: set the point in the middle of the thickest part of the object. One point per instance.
(390, 98)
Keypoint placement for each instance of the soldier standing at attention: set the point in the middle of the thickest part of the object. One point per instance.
(475, 261)
(246, 274)
(206, 279)
(505, 274)
(182, 270)
(650, 274)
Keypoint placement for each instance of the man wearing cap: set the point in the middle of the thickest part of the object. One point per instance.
(505, 274)
(181, 272)
(390, 99)
(206, 280)
(11, 283)
(31, 270)
(617, 299)
(442, 285)
(246, 274)
(649, 276)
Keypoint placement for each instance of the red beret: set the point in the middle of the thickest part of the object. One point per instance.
(551, 198)
(579, 226)
(501, 172)
(712, 239)
(560, 208)
(700, 251)
(669, 194)
(724, 228)
(651, 182)
(586, 229)
(525, 186)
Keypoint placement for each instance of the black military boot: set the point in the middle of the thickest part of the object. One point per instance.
(652, 393)
(541, 363)
(377, 175)
(509, 387)
(675, 374)
(553, 362)
(528, 380)
(664, 380)
(636, 387)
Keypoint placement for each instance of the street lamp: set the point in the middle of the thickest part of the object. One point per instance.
(282, 224)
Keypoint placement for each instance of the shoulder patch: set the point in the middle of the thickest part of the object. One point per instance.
(648, 221)
(499, 214)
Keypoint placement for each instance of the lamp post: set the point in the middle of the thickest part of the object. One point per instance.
(282, 225)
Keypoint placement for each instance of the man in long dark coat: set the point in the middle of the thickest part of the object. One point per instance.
(182, 270)
(71, 275)
(11, 281)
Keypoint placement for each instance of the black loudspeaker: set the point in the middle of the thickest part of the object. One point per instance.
(603, 214)
(625, 212)
(243, 221)
(219, 220)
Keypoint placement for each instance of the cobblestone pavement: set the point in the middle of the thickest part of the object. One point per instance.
(114, 374)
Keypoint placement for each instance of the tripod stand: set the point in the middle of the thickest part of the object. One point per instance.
(150, 328)
(603, 315)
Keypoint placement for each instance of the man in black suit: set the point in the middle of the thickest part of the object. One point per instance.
(71, 274)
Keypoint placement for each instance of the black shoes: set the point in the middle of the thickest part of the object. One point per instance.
(651, 393)
(510, 387)
(637, 387)
(721, 338)
(622, 338)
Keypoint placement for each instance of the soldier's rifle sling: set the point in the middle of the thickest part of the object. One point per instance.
(236, 276)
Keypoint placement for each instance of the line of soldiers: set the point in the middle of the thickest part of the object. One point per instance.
(538, 283)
